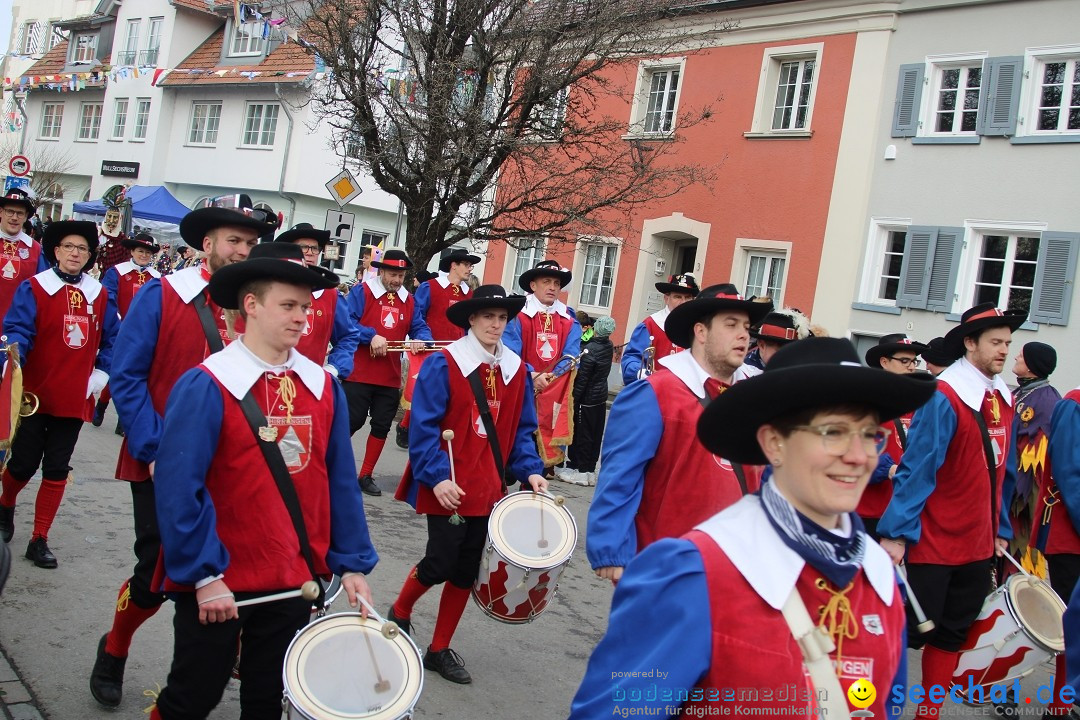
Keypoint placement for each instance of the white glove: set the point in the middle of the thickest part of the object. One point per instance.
(330, 369)
(98, 380)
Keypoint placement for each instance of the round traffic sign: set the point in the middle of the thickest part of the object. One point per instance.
(19, 166)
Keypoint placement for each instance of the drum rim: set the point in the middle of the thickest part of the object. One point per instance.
(495, 541)
(403, 707)
(1012, 585)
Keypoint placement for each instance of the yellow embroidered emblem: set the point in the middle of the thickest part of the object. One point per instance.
(1027, 414)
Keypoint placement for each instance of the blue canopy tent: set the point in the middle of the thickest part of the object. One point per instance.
(152, 207)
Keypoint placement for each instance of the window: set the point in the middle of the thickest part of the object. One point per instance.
(52, 114)
(1057, 109)
(149, 56)
(551, 115)
(888, 279)
(120, 113)
(51, 202)
(765, 276)
(656, 100)
(1006, 271)
(205, 118)
(128, 55)
(260, 125)
(786, 90)
(84, 49)
(956, 99)
(530, 251)
(793, 94)
(33, 36)
(142, 118)
(54, 36)
(89, 121)
(599, 275)
(372, 238)
(246, 39)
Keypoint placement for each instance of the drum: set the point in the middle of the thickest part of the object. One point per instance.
(343, 667)
(531, 538)
(331, 590)
(1018, 629)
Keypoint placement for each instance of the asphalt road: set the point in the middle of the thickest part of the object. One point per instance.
(50, 620)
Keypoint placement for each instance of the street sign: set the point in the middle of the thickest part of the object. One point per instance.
(10, 181)
(19, 165)
(343, 188)
(340, 225)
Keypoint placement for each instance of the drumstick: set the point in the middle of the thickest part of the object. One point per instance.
(1014, 562)
(389, 631)
(309, 591)
(448, 436)
(925, 625)
(542, 542)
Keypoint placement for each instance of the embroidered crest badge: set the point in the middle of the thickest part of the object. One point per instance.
(76, 329)
(294, 440)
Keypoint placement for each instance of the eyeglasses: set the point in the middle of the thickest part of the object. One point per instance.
(309, 249)
(836, 439)
(905, 361)
(14, 213)
(70, 248)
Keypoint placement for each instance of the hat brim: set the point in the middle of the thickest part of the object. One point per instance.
(953, 345)
(459, 312)
(729, 426)
(679, 325)
(533, 273)
(58, 231)
(773, 339)
(196, 224)
(446, 262)
(874, 354)
(320, 236)
(383, 266)
(665, 288)
(132, 243)
(27, 205)
(226, 282)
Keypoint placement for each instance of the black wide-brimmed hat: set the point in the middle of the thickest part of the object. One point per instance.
(684, 283)
(544, 268)
(268, 261)
(304, 230)
(18, 196)
(815, 372)
(60, 229)
(142, 240)
(424, 275)
(457, 255)
(197, 223)
(980, 317)
(713, 299)
(935, 353)
(393, 260)
(889, 344)
(777, 327)
(484, 298)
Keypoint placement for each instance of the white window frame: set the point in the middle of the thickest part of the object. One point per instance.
(536, 252)
(129, 54)
(580, 269)
(59, 124)
(89, 121)
(244, 44)
(153, 41)
(642, 91)
(142, 119)
(873, 262)
(769, 259)
(936, 65)
(263, 121)
(1034, 60)
(84, 53)
(120, 116)
(768, 81)
(974, 230)
(54, 37)
(31, 40)
(204, 131)
(745, 248)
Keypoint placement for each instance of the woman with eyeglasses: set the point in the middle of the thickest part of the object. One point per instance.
(702, 622)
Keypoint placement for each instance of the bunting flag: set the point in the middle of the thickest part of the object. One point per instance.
(555, 418)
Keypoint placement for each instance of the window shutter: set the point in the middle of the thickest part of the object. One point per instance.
(1000, 102)
(908, 95)
(20, 34)
(943, 269)
(915, 270)
(1055, 276)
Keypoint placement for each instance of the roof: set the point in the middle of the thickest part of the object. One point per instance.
(51, 62)
(287, 63)
(196, 5)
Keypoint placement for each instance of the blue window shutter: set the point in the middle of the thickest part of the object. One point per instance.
(915, 270)
(1055, 276)
(908, 94)
(943, 269)
(1000, 101)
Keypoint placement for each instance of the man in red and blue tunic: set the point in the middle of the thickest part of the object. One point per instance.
(385, 313)
(945, 515)
(457, 512)
(1058, 520)
(546, 330)
(20, 257)
(64, 324)
(653, 483)
(650, 331)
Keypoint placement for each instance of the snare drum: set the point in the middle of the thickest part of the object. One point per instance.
(331, 590)
(343, 667)
(1018, 629)
(531, 538)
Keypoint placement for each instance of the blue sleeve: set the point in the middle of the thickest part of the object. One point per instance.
(111, 282)
(630, 442)
(422, 298)
(1065, 456)
(350, 543)
(1008, 487)
(524, 458)
(133, 355)
(666, 582)
(42, 263)
(512, 337)
(355, 301)
(932, 429)
(632, 353)
(111, 327)
(186, 516)
(418, 327)
(881, 472)
(20, 323)
(345, 338)
(429, 462)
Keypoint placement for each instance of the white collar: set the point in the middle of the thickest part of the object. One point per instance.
(316, 294)
(746, 536)
(51, 283)
(237, 368)
(660, 317)
(21, 237)
(125, 267)
(444, 281)
(377, 289)
(469, 354)
(533, 306)
(971, 385)
(686, 368)
(187, 283)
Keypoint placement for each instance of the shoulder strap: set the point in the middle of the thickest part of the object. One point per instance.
(489, 422)
(991, 466)
(210, 329)
(816, 646)
(901, 434)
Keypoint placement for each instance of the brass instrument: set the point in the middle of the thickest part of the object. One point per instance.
(22, 403)
(429, 345)
(648, 360)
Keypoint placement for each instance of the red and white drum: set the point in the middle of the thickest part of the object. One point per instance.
(531, 538)
(1018, 629)
(343, 667)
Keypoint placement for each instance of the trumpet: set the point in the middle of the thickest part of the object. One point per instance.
(648, 360)
(429, 345)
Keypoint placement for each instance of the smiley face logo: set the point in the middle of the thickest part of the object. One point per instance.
(861, 693)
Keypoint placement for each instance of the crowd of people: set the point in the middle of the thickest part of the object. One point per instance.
(757, 483)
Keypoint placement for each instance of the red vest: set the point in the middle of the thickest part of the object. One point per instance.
(441, 299)
(684, 483)
(755, 657)
(473, 464)
(127, 286)
(315, 342)
(876, 498)
(17, 263)
(663, 345)
(68, 335)
(958, 523)
(391, 319)
(1062, 537)
(252, 521)
(543, 338)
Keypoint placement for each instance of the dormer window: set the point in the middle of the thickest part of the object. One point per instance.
(246, 39)
(84, 49)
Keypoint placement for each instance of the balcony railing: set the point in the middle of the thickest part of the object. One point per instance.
(126, 57)
(148, 56)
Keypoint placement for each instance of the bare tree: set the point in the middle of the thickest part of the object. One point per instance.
(49, 164)
(440, 99)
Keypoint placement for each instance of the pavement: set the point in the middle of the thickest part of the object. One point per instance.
(51, 620)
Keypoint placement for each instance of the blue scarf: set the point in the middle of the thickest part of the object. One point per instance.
(70, 279)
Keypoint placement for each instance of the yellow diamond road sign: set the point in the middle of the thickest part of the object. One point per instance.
(343, 188)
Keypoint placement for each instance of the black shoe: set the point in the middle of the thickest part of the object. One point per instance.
(448, 664)
(39, 552)
(119, 430)
(402, 437)
(7, 522)
(99, 414)
(107, 677)
(404, 625)
(368, 486)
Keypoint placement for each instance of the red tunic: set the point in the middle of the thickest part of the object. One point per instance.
(315, 342)
(391, 317)
(543, 338)
(876, 497)
(661, 342)
(69, 328)
(441, 299)
(129, 284)
(1062, 537)
(18, 262)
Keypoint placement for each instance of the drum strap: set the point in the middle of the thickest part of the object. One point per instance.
(737, 468)
(991, 467)
(489, 423)
(816, 645)
(901, 435)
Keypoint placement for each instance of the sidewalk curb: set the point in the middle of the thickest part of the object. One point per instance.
(17, 700)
